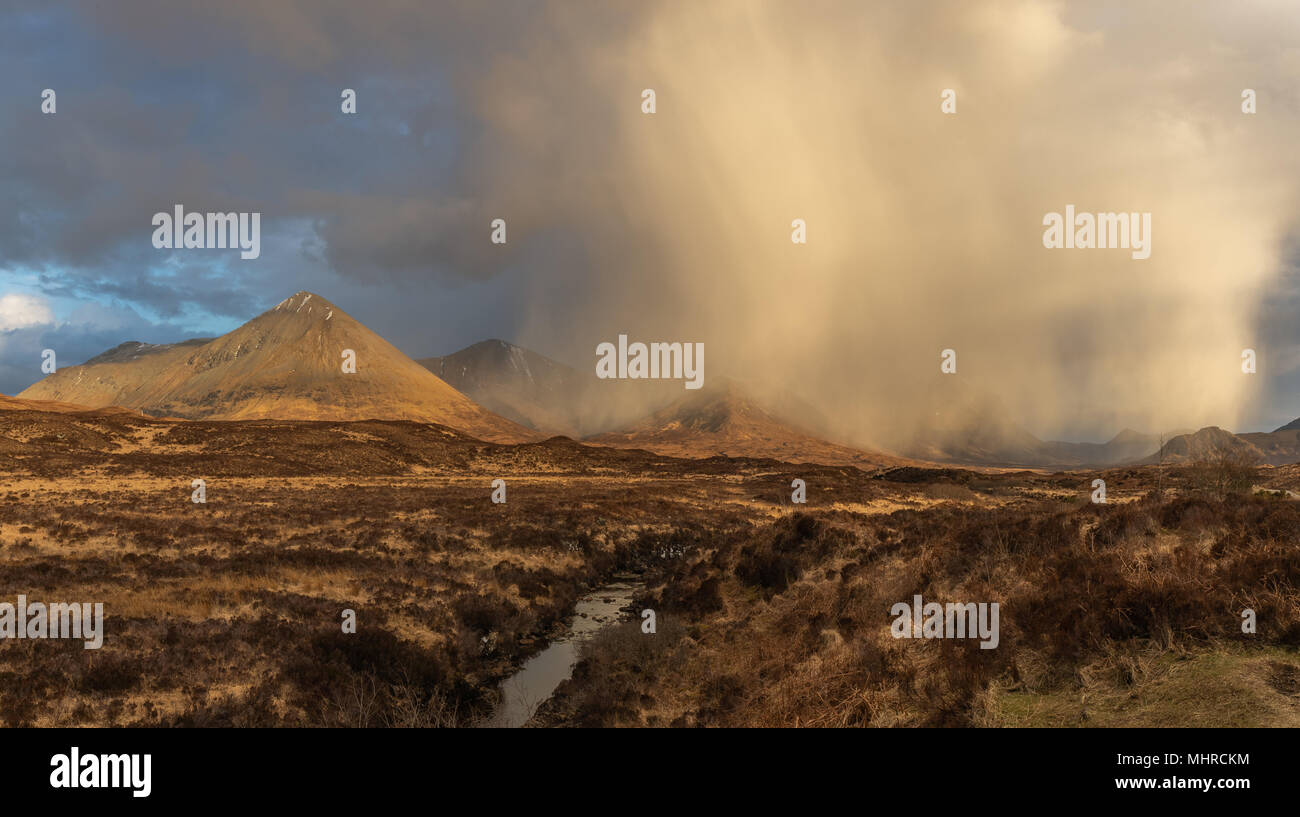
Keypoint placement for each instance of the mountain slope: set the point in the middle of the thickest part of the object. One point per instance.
(968, 426)
(284, 364)
(971, 427)
(55, 407)
(721, 419)
(517, 383)
(1126, 446)
(1280, 447)
(1206, 444)
(540, 393)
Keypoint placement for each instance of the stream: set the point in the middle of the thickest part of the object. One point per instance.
(528, 688)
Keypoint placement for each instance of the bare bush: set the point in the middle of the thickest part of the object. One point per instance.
(1224, 473)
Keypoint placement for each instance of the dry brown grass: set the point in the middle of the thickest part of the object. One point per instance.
(229, 613)
(1095, 600)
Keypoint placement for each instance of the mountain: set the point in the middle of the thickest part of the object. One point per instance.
(722, 419)
(970, 427)
(1208, 443)
(284, 364)
(1294, 425)
(134, 350)
(1277, 447)
(1126, 446)
(542, 394)
(54, 407)
(517, 383)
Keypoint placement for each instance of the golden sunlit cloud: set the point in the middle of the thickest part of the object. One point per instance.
(924, 229)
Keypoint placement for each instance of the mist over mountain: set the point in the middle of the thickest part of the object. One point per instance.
(287, 364)
(967, 425)
(724, 419)
(1126, 446)
(519, 384)
(546, 395)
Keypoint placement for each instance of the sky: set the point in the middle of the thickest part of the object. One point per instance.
(924, 229)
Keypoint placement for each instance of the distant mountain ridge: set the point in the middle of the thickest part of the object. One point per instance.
(134, 350)
(722, 419)
(970, 427)
(285, 364)
(1126, 446)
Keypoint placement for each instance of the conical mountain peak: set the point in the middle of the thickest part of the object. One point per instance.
(303, 359)
(303, 301)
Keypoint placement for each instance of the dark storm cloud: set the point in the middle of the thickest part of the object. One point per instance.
(167, 295)
(924, 231)
(235, 106)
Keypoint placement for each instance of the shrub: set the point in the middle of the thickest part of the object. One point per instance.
(1224, 473)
